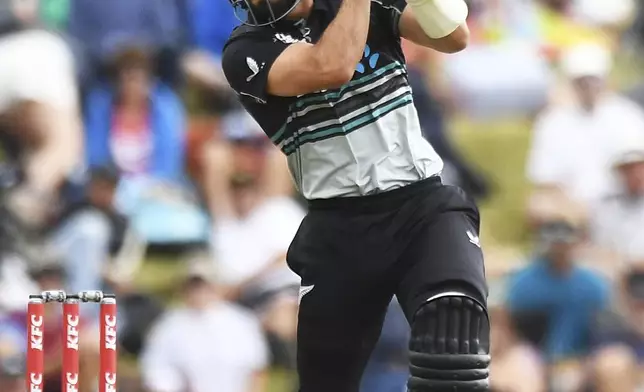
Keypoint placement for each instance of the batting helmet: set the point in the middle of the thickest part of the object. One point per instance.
(262, 12)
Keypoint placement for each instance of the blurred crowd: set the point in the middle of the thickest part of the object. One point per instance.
(171, 161)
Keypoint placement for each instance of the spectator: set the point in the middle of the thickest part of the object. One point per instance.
(40, 130)
(619, 341)
(41, 138)
(135, 122)
(560, 27)
(554, 299)
(90, 233)
(505, 43)
(517, 366)
(99, 27)
(253, 154)
(589, 126)
(596, 13)
(15, 282)
(138, 311)
(204, 344)
(248, 206)
(12, 373)
(619, 218)
(432, 121)
(248, 142)
(12, 358)
(12, 336)
(209, 24)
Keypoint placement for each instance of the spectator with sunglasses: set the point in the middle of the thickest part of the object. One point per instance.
(555, 298)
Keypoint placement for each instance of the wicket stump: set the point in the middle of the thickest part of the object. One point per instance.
(70, 339)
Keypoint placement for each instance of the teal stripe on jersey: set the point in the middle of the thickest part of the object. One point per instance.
(277, 137)
(338, 93)
(353, 125)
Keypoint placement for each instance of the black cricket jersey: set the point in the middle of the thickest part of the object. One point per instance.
(362, 138)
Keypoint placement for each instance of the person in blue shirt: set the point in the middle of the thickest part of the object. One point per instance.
(136, 122)
(554, 300)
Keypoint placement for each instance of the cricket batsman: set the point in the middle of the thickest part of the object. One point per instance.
(326, 80)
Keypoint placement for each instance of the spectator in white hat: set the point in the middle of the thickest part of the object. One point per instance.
(205, 344)
(573, 143)
(619, 219)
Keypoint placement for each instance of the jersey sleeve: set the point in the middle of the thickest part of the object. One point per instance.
(247, 62)
(389, 14)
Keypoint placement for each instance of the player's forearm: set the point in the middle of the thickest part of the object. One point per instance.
(342, 44)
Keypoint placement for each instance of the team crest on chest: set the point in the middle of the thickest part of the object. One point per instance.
(288, 39)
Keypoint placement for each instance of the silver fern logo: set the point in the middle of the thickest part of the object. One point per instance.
(474, 238)
(254, 68)
(304, 290)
